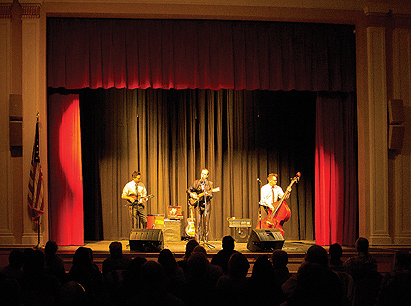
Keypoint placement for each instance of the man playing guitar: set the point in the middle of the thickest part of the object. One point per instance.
(200, 194)
(136, 194)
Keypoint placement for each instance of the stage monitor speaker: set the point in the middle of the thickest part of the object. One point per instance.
(265, 240)
(146, 240)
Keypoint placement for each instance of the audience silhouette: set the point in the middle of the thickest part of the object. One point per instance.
(223, 256)
(279, 259)
(174, 275)
(37, 287)
(190, 245)
(333, 291)
(396, 285)
(35, 278)
(54, 264)
(14, 269)
(233, 289)
(116, 260)
(363, 269)
(86, 273)
(263, 279)
(335, 252)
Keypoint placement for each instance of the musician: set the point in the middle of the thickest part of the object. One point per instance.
(200, 194)
(271, 192)
(135, 192)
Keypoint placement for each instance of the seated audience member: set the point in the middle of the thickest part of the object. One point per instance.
(363, 263)
(234, 289)
(279, 259)
(116, 260)
(222, 256)
(337, 265)
(37, 287)
(363, 269)
(318, 255)
(263, 279)
(174, 275)
(10, 291)
(153, 288)
(87, 274)
(213, 271)
(72, 294)
(132, 286)
(54, 264)
(190, 245)
(315, 286)
(335, 252)
(14, 268)
(396, 286)
(201, 286)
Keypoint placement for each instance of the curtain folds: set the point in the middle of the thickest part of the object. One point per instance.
(171, 135)
(336, 194)
(169, 97)
(180, 54)
(65, 168)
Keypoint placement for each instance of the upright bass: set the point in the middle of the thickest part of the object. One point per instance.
(281, 213)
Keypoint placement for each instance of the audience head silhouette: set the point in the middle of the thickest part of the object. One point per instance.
(362, 245)
(228, 243)
(317, 254)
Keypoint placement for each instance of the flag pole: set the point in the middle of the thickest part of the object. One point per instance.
(35, 197)
(38, 218)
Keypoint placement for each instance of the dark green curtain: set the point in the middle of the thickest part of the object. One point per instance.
(170, 135)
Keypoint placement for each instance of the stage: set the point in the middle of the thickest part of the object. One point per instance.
(296, 250)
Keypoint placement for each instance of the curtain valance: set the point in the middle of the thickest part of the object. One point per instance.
(134, 53)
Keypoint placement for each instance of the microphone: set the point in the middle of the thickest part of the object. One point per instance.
(258, 180)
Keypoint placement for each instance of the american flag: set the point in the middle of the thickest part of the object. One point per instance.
(35, 198)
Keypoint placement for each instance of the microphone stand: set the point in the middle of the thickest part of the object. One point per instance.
(205, 223)
(259, 202)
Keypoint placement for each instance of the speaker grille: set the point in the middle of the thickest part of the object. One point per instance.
(265, 240)
(146, 240)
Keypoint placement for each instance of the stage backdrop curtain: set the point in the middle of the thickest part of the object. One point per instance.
(336, 193)
(205, 54)
(65, 169)
(170, 135)
(180, 54)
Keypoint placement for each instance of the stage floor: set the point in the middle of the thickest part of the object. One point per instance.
(179, 247)
(295, 249)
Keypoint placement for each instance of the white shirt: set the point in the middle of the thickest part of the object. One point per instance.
(267, 193)
(131, 188)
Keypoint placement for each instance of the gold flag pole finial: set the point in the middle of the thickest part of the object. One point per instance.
(38, 116)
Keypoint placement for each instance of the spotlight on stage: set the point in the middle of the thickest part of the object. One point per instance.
(265, 240)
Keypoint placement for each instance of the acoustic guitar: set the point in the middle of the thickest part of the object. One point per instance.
(140, 201)
(191, 228)
(193, 201)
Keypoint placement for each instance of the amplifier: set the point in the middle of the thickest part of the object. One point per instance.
(172, 230)
(233, 222)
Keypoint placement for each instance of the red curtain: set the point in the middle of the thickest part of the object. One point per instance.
(180, 54)
(66, 183)
(335, 171)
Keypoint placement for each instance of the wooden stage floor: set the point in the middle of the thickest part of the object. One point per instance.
(212, 247)
(296, 250)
